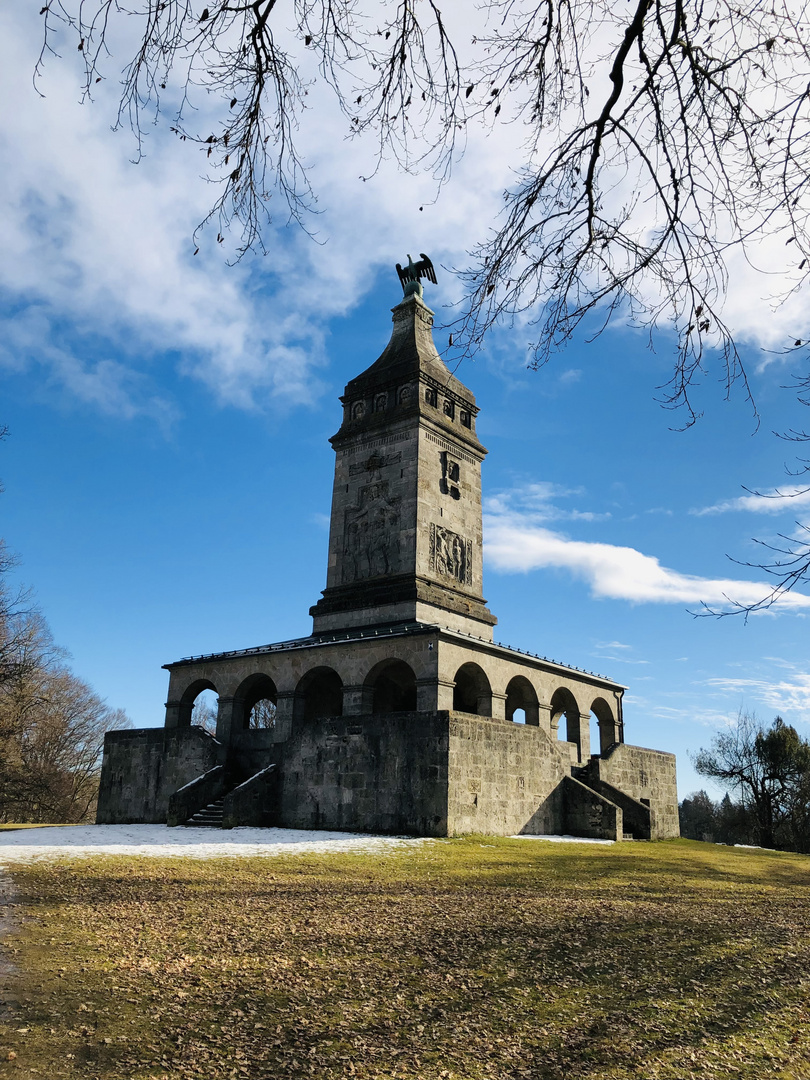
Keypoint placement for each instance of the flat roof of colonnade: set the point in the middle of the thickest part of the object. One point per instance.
(395, 630)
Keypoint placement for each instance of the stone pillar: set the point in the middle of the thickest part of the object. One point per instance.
(498, 706)
(545, 721)
(608, 734)
(426, 695)
(585, 737)
(444, 694)
(177, 714)
(356, 699)
(284, 715)
(226, 720)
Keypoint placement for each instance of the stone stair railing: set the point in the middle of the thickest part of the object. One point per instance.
(205, 789)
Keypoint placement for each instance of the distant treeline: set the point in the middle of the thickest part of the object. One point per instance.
(768, 770)
(723, 822)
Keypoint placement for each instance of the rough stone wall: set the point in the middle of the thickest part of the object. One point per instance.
(646, 775)
(142, 768)
(503, 778)
(384, 774)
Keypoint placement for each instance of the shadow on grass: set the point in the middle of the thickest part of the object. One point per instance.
(461, 959)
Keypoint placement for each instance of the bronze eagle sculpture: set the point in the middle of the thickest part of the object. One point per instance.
(409, 275)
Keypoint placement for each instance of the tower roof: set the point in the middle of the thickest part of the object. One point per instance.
(411, 351)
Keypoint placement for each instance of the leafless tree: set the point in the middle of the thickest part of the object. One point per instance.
(263, 715)
(663, 140)
(393, 69)
(52, 725)
(770, 770)
(204, 712)
(52, 728)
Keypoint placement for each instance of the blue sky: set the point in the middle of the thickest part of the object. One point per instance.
(168, 473)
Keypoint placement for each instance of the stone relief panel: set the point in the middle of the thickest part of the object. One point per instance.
(450, 555)
(371, 540)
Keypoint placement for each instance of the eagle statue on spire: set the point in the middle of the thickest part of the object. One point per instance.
(409, 275)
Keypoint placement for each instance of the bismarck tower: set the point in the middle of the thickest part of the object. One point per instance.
(405, 538)
(399, 713)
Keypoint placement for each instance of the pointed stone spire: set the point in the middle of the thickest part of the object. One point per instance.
(405, 538)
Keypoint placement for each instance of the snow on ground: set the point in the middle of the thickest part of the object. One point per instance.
(563, 839)
(27, 845)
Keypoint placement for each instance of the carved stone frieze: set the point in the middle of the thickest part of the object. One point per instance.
(375, 463)
(450, 554)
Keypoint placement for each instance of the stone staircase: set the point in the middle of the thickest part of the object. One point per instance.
(209, 815)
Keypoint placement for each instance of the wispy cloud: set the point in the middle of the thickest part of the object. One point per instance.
(783, 500)
(790, 695)
(516, 545)
(537, 501)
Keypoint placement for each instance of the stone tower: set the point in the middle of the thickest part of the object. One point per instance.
(405, 542)
(398, 713)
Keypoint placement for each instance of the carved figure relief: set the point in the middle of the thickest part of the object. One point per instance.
(450, 554)
(380, 402)
(358, 410)
(405, 394)
(371, 537)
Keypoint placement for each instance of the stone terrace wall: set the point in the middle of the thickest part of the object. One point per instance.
(385, 774)
(646, 775)
(504, 778)
(142, 768)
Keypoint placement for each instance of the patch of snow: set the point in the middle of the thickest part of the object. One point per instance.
(562, 839)
(159, 841)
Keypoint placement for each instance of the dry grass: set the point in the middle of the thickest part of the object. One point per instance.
(470, 959)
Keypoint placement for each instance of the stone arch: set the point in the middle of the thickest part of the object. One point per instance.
(564, 706)
(319, 693)
(392, 687)
(255, 690)
(608, 726)
(522, 697)
(472, 692)
(189, 696)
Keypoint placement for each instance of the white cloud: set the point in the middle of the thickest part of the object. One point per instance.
(513, 545)
(789, 695)
(783, 500)
(95, 247)
(535, 502)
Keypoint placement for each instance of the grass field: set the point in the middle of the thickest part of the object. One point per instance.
(462, 960)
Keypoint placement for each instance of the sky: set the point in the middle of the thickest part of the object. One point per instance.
(168, 473)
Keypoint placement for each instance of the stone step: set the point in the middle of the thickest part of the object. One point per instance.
(212, 814)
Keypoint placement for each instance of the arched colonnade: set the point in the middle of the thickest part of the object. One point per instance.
(391, 685)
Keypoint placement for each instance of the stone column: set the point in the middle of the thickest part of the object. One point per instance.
(177, 714)
(544, 719)
(284, 715)
(498, 706)
(585, 737)
(426, 695)
(608, 734)
(226, 720)
(356, 699)
(444, 694)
